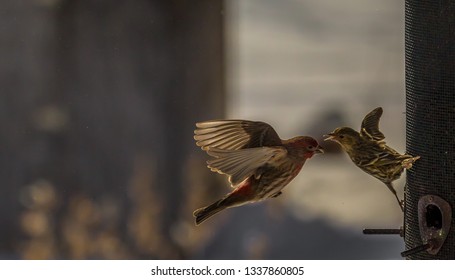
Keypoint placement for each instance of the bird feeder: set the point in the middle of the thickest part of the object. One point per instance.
(429, 230)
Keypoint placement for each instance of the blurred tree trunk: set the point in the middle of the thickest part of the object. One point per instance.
(107, 86)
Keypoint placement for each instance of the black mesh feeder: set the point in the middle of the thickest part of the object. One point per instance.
(429, 231)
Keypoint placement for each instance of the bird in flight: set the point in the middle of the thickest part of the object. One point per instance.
(257, 162)
(368, 150)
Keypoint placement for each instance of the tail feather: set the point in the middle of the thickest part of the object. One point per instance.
(204, 213)
(407, 163)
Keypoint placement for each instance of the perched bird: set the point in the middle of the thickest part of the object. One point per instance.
(258, 163)
(369, 152)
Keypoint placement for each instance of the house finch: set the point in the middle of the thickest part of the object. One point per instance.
(258, 163)
(369, 152)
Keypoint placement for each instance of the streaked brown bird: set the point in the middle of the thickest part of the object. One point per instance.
(369, 151)
(258, 163)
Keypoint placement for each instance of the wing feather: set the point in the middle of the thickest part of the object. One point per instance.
(370, 125)
(241, 164)
(235, 134)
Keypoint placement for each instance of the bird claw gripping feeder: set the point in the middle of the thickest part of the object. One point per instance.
(428, 229)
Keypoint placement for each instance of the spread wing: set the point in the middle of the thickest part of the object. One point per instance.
(370, 125)
(235, 135)
(241, 164)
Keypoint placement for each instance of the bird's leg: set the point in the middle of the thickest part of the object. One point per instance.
(400, 203)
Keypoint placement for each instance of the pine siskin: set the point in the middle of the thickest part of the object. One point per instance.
(258, 163)
(369, 152)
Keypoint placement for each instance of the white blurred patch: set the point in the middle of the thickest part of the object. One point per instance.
(290, 60)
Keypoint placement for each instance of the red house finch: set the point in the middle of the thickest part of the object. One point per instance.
(258, 163)
(368, 151)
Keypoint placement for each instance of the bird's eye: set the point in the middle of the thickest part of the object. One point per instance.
(310, 147)
(341, 136)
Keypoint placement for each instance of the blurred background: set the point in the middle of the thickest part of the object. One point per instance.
(98, 100)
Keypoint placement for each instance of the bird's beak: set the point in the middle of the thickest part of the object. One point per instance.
(319, 150)
(329, 136)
